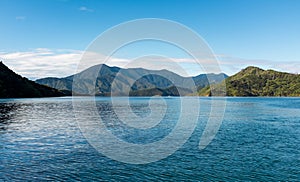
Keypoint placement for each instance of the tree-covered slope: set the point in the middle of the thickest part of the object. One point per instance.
(170, 91)
(253, 81)
(13, 85)
(119, 81)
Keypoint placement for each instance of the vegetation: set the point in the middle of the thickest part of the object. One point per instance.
(254, 81)
(251, 81)
(138, 81)
(170, 91)
(15, 86)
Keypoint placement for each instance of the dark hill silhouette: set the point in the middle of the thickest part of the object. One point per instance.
(13, 85)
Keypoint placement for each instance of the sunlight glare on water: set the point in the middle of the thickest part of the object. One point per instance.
(259, 140)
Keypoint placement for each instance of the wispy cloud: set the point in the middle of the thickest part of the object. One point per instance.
(231, 65)
(40, 63)
(20, 18)
(43, 62)
(84, 8)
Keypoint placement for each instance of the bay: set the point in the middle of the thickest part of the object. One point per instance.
(259, 140)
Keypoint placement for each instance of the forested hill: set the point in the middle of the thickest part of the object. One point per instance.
(117, 81)
(13, 85)
(253, 81)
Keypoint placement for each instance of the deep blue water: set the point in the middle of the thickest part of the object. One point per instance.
(259, 140)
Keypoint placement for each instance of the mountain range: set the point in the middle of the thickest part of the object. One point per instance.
(103, 80)
(254, 81)
(13, 85)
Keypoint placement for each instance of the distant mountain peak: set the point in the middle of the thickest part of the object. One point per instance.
(120, 81)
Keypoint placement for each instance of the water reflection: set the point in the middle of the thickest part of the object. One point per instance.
(7, 112)
(140, 108)
(259, 141)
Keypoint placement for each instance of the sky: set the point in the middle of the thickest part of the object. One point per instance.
(48, 38)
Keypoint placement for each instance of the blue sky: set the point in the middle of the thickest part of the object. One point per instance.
(264, 33)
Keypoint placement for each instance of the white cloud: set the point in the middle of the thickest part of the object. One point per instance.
(232, 65)
(42, 62)
(83, 8)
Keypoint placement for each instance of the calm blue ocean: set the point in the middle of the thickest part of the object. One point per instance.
(259, 140)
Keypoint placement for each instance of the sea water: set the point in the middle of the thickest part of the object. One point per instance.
(258, 140)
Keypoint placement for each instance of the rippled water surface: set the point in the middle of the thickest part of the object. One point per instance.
(259, 140)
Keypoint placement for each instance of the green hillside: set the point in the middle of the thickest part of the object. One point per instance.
(138, 81)
(170, 91)
(253, 81)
